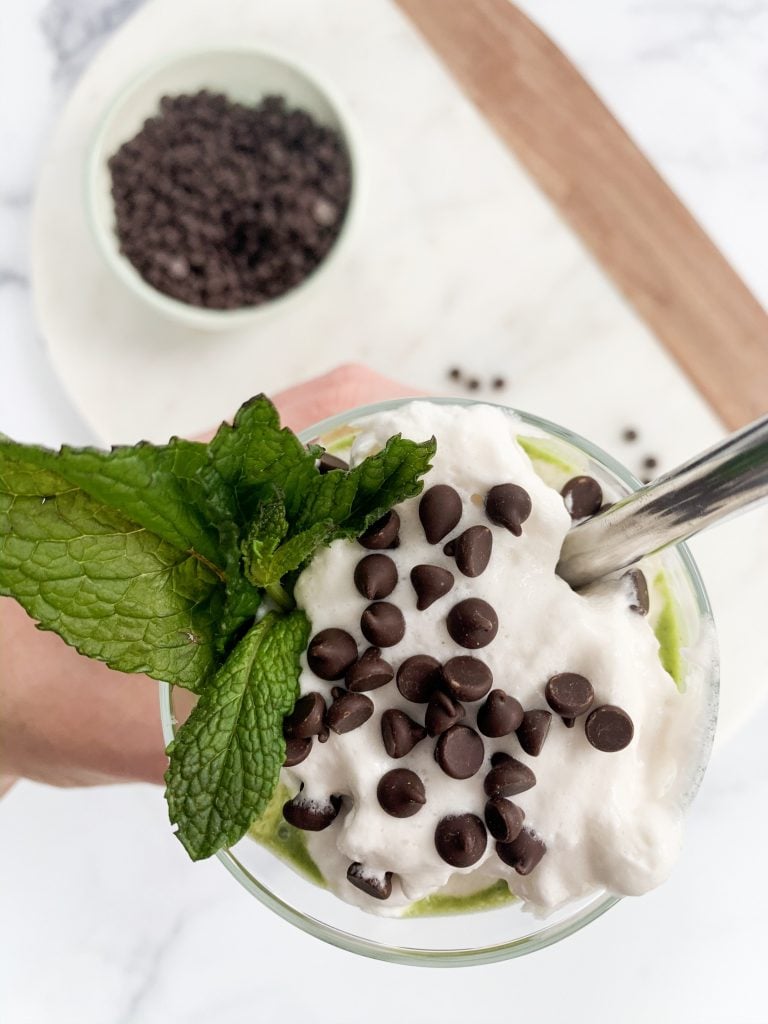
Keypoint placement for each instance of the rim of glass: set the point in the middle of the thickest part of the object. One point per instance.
(547, 936)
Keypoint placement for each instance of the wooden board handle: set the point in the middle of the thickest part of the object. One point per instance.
(633, 223)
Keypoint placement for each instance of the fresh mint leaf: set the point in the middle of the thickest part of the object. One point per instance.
(225, 760)
(267, 555)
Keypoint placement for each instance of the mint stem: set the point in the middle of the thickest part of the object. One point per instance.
(280, 597)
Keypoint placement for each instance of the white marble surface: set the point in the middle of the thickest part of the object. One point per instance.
(102, 919)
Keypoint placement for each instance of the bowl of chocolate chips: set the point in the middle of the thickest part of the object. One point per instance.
(221, 185)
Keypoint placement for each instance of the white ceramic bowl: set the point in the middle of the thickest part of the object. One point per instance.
(245, 75)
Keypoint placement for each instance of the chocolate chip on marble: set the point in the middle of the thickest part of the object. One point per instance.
(311, 815)
(375, 576)
(500, 715)
(637, 584)
(439, 511)
(400, 733)
(629, 434)
(401, 793)
(650, 462)
(330, 653)
(472, 550)
(369, 672)
(569, 695)
(461, 839)
(307, 717)
(297, 750)
(348, 712)
(503, 819)
(609, 728)
(508, 505)
(327, 463)
(508, 778)
(371, 885)
(383, 624)
(467, 678)
(533, 730)
(523, 853)
(383, 534)
(460, 752)
(472, 623)
(583, 496)
(431, 582)
(442, 712)
(419, 677)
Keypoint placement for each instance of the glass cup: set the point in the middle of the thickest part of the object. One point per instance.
(508, 931)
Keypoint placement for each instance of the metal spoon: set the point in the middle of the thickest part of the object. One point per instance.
(730, 477)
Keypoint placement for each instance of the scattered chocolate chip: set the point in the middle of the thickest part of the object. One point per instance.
(401, 793)
(442, 713)
(375, 576)
(461, 839)
(508, 778)
(639, 601)
(472, 623)
(369, 672)
(431, 582)
(348, 712)
(439, 511)
(504, 819)
(371, 885)
(383, 534)
(609, 728)
(583, 496)
(454, 373)
(498, 383)
(569, 695)
(383, 624)
(311, 815)
(500, 715)
(467, 678)
(650, 462)
(419, 677)
(460, 752)
(508, 505)
(307, 717)
(472, 550)
(533, 730)
(330, 653)
(522, 853)
(327, 462)
(473, 383)
(629, 434)
(400, 733)
(297, 750)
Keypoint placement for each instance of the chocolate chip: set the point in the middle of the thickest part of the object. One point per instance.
(522, 853)
(369, 672)
(460, 752)
(384, 533)
(583, 496)
(311, 815)
(500, 758)
(609, 728)
(467, 678)
(442, 712)
(569, 695)
(461, 839)
(348, 712)
(449, 548)
(371, 885)
(533, 730)
(327, 462)
(472, 623)
(439, 511)
(297, 750)
(383, 624)
(637, 584)
(400, 733)
(330, 653)
(454, 373)
(629, 434)
(508, 778)
(650, 462)
(500, 715)
(401, 793)
(498, 383)
(322, 736)
(307, 717)
(431, 582)
(473, 550)
(419, 677)
(508, 505)
(375, 576)
(504, 819)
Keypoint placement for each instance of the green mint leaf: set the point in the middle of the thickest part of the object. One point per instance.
(266, 570)
(225, 760)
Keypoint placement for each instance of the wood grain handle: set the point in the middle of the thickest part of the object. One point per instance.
(606, 189)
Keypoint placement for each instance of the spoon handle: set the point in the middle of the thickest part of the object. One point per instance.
(727, 478)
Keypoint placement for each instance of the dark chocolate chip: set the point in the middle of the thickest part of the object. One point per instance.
(449, 548)
(383, 624)
(609, 728)
(629, 434)
(583, 496)
(500, 758)
(419, 677)
(650, 462)
(500, 715)
(522, 853)
(311, 815)
(322, 736)
(439, 511)
(307, 717)
(460, 752)
(532, 731)
(384, 533)
(296, 750)
(375, 576)
(472, 623)
(508, 505)
(508, 778)
(330, 653)
(472, 550)
(327, 462)
(467, 678)
(371, 885)
(454, 373)
(348, 712)
(473, 383)
(369, 672)
(569, 695)
(637, 584)
(401, 793)
(400, 733)
(442, 712)
(461, 839)
(504, 819)
(431, 582)
(498, 383)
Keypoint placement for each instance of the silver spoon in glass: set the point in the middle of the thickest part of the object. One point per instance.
(730, 477)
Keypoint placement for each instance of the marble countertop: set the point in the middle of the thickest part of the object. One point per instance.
(103, 919)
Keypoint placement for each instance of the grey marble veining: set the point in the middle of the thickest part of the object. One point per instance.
(74, 29)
